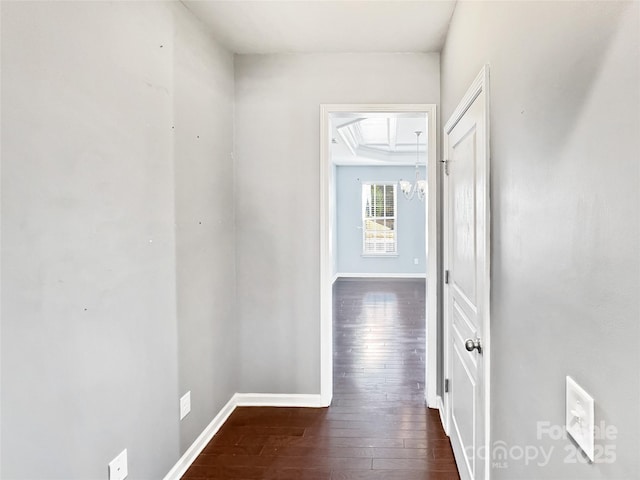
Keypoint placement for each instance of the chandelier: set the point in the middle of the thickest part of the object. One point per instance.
(420, 186)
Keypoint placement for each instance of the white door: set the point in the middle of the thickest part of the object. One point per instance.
(466, 292)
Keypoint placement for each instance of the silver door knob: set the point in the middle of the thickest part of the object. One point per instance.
(472, 345)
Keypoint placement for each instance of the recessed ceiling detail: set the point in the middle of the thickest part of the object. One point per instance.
(378, 140)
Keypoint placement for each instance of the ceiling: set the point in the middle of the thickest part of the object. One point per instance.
(325, 26)
(378, 139)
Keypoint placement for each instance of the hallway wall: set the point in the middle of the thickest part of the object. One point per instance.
(125, 281)
(205, 225)
(104, 185)
(565, 117)
(277, 196)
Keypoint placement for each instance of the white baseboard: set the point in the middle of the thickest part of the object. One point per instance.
(238, 400)
(382, 275)
(440, 406)
(278, 400)
(203, 439)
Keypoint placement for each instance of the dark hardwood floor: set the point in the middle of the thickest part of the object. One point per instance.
(377, 426)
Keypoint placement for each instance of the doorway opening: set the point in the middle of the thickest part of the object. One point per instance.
(377, 135)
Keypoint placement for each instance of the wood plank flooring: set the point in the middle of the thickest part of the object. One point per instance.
(377, 426)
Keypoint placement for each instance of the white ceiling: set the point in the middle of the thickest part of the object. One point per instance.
(378, 139)
(314, 26)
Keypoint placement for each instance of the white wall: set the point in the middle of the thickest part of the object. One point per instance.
(565, 118)
(94, 179)
(277, 197)
(410, 223)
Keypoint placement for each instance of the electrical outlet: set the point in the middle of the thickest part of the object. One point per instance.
(185, 404)
(416, 261)
(118, 467)
(579, 417)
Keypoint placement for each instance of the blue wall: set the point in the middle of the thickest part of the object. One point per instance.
(410, 223)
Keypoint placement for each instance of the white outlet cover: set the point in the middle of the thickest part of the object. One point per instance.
(580, 417)
(118, 467)
(185, 404)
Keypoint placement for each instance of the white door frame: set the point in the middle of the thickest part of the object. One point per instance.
(479, 85)
(326, 247)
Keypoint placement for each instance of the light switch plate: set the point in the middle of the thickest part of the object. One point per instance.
(118, 467)
(185, 404)
(579, 417)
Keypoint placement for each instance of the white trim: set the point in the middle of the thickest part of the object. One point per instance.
(433, 259)
(203, 439)
(326, 264)
(381, 275)
(474, 90)
(278, 400)
(373, 163)
(479, 85)
(326, 247)
(441, 410)
(487, 274)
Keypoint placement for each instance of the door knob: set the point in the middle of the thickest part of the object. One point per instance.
(470, 345)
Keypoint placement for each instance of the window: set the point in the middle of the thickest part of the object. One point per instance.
(379, 219)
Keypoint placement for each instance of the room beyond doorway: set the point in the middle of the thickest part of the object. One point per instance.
(377, 143)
